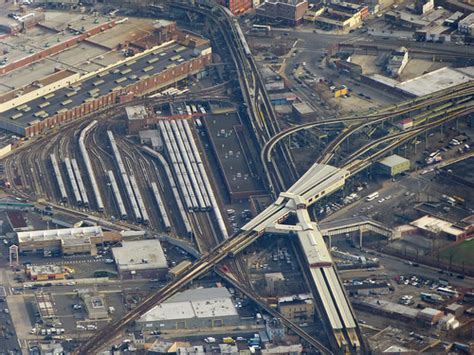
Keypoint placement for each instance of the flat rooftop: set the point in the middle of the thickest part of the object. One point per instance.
(140, 255)
(120, 76)
(194, 303)
(393, 160)
(437, 80)
(56, 28)
(87, 56)
(429, 83)
(58, 234)
(224, 130)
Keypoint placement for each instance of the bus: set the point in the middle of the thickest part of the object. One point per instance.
(121, 80)
(261, 28)
(44, 104)
(447, 292)
(47, 97)
(150, 67)
(66, 102)
(372, 196)
(175, 58)
(126, 71)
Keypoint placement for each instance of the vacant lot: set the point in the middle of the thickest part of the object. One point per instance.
(462, 253)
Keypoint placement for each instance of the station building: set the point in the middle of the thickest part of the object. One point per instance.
(68, 241)
(202, 308)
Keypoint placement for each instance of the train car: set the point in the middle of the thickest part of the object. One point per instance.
(207, 183)
(125, 178)
(194, 165)
(59, 179)
(117, 195)
(73, 182)
(139, 198)
(177, 171)
(174, 189)
(80, 183)
(161, 206)
(88, 164)
(188, 166)
(178, 166)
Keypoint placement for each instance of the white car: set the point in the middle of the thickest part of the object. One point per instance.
(81, 327)
(91, 327)
(109, 261)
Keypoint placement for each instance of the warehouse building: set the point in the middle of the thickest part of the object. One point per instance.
(393, 165)
(142, 259)
(436, 227)
(202, 308)
(67, 241)
(77, 95)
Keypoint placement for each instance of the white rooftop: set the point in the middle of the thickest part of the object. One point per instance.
(55, 234)
(140, 255)
(194, 303)
(428, 83)
(436, 225)
(393, 160)
(137, 112)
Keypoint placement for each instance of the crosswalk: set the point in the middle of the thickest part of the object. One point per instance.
(71, 262)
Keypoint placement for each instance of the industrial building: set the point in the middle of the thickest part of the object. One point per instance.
(288, 11)
(303, 111)
(141, 259)
(393, 165)
(76, 95)
(297, 308)
(425, 84)
(68, 241)
(136, 118)
(436, 227)
(192, 309)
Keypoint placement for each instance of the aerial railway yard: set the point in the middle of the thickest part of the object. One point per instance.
(172, 192)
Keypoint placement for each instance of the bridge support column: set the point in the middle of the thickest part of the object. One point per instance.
(360, 237)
